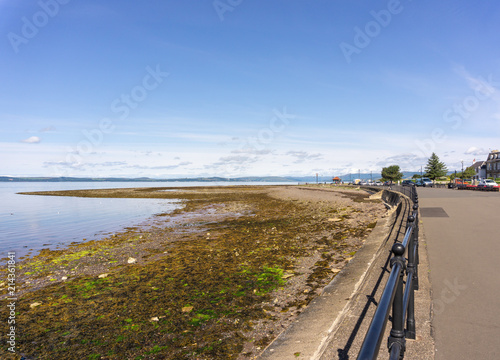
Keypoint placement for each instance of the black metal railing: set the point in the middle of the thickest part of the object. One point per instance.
(397, 295)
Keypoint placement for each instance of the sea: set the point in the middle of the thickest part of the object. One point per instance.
(30, 223)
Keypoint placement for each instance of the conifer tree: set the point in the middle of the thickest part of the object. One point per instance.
(435, 168)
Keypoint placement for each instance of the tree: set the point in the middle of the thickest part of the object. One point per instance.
(468, 174)
(392, 173)
(435, 168)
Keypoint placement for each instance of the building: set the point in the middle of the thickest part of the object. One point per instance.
(493, 165)
(480, 168)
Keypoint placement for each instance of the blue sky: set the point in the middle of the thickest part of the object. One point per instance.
(238, 87)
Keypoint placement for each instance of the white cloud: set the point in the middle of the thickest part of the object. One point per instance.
(32, 140)
(476, 151)
(302, 156)
(405, 161)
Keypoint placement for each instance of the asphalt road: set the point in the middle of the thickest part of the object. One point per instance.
(463, 236)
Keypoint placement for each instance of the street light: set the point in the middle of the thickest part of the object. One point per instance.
(462, 171)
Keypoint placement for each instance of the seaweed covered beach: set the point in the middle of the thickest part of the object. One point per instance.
(219, 278)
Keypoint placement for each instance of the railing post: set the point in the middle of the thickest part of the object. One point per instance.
(397, 338)
(415, 237)
(410, 271)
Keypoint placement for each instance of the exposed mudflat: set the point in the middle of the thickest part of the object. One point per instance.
(218, 279)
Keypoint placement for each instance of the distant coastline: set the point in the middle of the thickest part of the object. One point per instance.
(274, 179)
(147, 179)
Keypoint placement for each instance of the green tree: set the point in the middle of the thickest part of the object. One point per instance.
(468, 173)
(416, 176)
(392, 173)
(435, 168)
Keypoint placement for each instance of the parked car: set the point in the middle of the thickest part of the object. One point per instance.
(486, 183)
(425, 182)
(408, 183)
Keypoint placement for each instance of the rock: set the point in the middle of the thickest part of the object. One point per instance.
(131, 260)
(102, 276)
(187, 309)
(376, 196)
(34, 305)
(64, 278)
(335, 219)
(154, 319)
(335, 271)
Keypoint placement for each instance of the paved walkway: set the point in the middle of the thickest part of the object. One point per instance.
(462, 232)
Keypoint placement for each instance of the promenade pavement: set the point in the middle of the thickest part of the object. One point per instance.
(463, 233)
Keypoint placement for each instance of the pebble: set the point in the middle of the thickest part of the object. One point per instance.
(131, 260)
(35, 304)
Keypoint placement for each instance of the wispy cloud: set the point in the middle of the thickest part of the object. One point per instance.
(235, 159)
(48, 128)
(302, 156)
(252, 151)
(476, 151)
(32, 140)
(406, 161)
(159, 167)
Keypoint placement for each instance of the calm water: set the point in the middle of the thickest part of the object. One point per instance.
(30, 222)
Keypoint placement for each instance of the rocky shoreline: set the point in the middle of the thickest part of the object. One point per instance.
(218, 279)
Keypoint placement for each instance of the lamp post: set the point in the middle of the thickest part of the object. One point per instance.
(462, 172)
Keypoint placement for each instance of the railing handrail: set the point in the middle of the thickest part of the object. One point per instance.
(402, 301)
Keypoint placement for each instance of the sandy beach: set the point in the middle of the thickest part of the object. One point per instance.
(219, 278)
